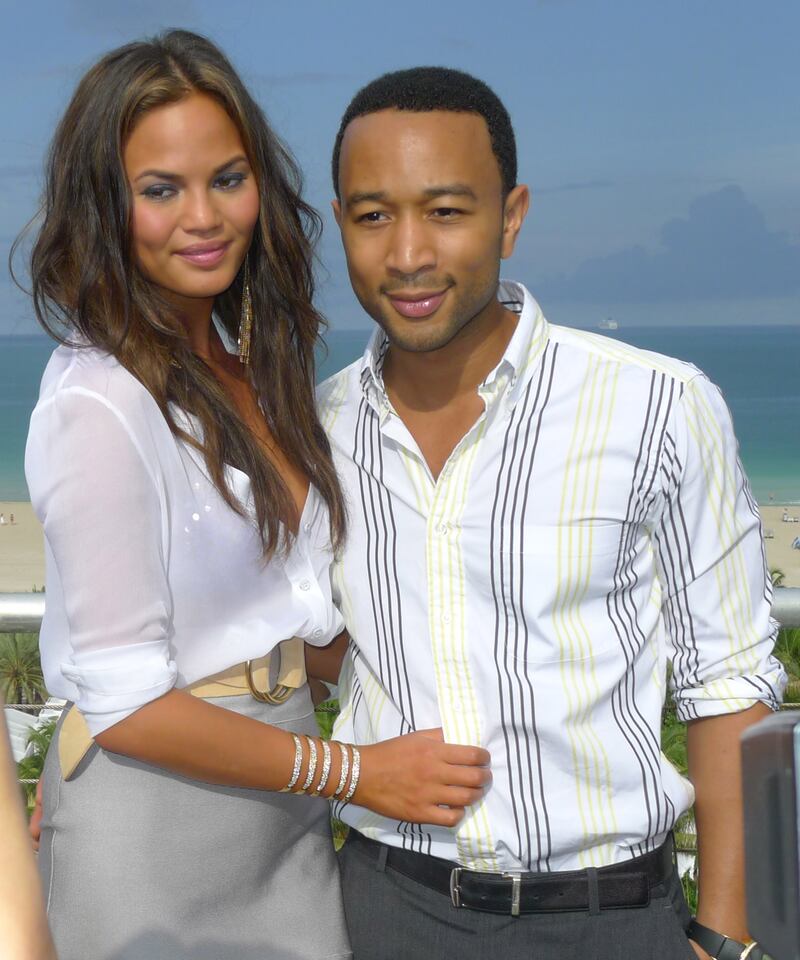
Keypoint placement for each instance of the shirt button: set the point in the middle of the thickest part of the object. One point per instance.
(307, 526)
(305, 585)
(446, 618)
(442, 528)
(195, 517)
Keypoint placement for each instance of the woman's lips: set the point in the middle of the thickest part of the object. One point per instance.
(204, 256)
(419, 306)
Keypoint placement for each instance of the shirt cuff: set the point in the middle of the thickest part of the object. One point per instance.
(114, 683)
(731, 695)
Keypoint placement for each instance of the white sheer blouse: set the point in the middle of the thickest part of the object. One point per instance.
(152, 580)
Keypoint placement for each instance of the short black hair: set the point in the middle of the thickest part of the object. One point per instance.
(422, 89)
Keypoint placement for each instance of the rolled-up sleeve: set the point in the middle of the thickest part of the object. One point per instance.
(712, 564)
(103, 521)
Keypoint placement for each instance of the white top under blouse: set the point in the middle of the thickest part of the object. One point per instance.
(152, 580)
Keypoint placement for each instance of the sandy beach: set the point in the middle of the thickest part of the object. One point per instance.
(22, 550)
(779, 535)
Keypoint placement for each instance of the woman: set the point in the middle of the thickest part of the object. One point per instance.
(189, 506)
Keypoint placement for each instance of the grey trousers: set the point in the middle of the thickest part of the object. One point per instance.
(390, 917)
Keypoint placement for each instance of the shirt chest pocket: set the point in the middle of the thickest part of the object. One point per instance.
(556, 582)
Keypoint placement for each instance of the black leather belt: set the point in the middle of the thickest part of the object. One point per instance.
(620, 885)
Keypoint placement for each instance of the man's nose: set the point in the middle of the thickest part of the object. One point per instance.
(411, 247)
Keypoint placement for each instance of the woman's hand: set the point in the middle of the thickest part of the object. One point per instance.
(420, 779)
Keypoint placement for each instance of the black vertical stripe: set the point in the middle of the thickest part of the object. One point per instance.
(623, 615)
(515, 684)
(381, 562)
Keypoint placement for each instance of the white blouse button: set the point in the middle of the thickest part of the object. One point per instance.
(207, 508)
(195, 517)
(307, 526)
(305, 585)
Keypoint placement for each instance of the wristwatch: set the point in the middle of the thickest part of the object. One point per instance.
(721, 947)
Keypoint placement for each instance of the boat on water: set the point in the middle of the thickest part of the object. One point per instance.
(608, 324)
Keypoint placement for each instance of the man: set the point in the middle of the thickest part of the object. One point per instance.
(540, 519)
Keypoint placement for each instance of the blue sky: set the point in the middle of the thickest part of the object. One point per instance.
(661, 141)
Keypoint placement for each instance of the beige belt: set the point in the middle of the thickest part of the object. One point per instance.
(74, 739)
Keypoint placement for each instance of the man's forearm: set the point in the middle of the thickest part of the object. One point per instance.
(715, 771)
(325, 663)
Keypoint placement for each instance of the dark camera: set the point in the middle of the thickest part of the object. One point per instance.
(771, 770)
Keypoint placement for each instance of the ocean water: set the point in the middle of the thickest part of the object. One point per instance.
(757, 368)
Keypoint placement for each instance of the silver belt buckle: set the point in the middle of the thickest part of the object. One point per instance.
(516, 891)
(455, 895)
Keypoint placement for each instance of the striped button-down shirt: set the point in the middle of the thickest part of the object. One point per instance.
(593, 526)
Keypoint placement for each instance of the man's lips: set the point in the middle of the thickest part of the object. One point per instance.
(204, 255)
(418, 305)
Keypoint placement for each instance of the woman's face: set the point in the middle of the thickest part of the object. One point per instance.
(195, 199)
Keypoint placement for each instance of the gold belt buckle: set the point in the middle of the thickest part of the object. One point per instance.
(280, 693)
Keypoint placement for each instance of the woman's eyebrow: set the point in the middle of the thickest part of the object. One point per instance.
(176, 177)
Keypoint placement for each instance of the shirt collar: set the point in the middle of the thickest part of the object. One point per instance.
(517, 363)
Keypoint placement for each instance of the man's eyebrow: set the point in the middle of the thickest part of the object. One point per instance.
(367, 196)
(451, 190)
(431, 193)
(177, 178)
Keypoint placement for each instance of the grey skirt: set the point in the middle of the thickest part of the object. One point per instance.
(141, 864)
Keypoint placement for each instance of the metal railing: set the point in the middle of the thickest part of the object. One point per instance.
(23, 612)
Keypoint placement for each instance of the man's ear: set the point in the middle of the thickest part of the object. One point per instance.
(337, 212)
(515, 209)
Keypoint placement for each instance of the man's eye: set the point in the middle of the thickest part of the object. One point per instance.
(445, 213)
(374, 216)
(229, 181)
(159, 191)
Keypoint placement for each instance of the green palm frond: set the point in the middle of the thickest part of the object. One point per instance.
(21, 679)
(31, 766)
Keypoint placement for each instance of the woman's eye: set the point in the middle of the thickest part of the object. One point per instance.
(159, 191)
(229, 181)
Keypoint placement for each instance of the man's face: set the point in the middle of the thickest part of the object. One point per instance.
(423, 222)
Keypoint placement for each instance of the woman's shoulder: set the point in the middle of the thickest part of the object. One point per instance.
(85, 371)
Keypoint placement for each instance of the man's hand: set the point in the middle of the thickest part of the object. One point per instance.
(35, 823)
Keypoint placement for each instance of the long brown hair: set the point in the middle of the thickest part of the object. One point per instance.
(85, 279)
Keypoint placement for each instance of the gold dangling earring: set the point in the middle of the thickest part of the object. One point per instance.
(246, 319)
